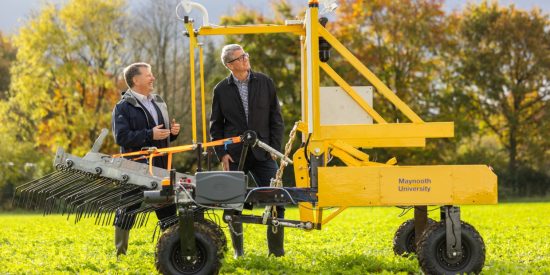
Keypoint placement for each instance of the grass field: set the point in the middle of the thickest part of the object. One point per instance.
(358, 241)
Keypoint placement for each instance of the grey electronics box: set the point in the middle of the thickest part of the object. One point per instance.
(220, 187)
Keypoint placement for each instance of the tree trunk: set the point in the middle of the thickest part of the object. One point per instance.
(512, 159)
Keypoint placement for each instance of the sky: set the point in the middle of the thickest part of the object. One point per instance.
(14, 12)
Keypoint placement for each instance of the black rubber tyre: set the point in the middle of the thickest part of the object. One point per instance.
(221, 239)
(404, 239)
(432, 254)
(167, 256)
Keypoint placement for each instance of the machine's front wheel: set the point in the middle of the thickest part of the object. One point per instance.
(432, 251)
(404, 241)
(168, 254)
(220, 236)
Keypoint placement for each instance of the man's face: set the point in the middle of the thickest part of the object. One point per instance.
(240, 62)
(144, 81)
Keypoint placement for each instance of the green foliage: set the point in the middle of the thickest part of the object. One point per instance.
(62, 85)
(358, 241)
(7, 55)
(504, 61)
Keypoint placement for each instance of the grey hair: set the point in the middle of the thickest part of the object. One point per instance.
(133, 70)
(227, 52)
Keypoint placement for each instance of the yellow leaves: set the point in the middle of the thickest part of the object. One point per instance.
(62, 76)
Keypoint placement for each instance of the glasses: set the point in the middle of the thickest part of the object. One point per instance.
(241, 58)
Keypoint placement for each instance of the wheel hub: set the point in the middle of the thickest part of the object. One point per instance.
(191, 265)
(453, 263)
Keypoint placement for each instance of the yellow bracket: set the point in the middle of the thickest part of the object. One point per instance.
(350, 150)
(333, 214)
(301, 173)
(353, 157)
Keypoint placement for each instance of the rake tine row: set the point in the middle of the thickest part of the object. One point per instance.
(79, 188)
(81, 200)
(72, 191)
(18, 196)
(104, 207)
(60, 198)
(89, 201)
(34, 198)
(46, 192)
(63, 195)
(24, 194)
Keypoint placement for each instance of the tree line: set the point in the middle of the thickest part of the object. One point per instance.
(486, 68)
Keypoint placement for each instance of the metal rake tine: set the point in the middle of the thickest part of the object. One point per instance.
(59, 196)
(19, 195)
(31, 190)
(41, 195)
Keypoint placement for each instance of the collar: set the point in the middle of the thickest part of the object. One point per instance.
(141, 97)
(238, 81)
(231, 78)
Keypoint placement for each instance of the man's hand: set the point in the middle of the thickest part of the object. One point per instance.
(273, 156)
(174, 128)
(160, 134)
(225, 162)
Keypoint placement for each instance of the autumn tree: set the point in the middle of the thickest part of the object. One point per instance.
(505, 65)
(7, 55)
(63, 79)
(404, 43)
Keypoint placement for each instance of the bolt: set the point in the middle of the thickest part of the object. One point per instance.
(317, 150)
(454, 254)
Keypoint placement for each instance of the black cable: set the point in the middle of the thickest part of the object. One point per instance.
(305, 148)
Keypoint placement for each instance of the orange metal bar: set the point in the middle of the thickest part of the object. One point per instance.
(176, 149)
(170, 161)
(151, 164)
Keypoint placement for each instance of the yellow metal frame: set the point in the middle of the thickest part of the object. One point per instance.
(362, 182)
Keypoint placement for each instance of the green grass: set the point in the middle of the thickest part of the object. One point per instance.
(358, 241)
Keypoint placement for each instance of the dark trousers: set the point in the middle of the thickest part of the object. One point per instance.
(263, 172)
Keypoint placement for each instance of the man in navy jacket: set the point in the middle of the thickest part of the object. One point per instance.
(243, 101)
(140, 119)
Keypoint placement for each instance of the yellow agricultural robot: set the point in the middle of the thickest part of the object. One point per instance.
(192, 243)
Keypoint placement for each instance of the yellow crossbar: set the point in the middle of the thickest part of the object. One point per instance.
(256, 29)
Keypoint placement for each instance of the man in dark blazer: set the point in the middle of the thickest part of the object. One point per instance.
(247, 100)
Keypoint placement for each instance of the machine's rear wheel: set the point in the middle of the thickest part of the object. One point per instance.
(404, 241)
(432, 251)
(168, 254)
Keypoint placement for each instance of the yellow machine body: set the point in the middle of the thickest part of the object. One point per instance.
(406, 185)
(361, 182)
